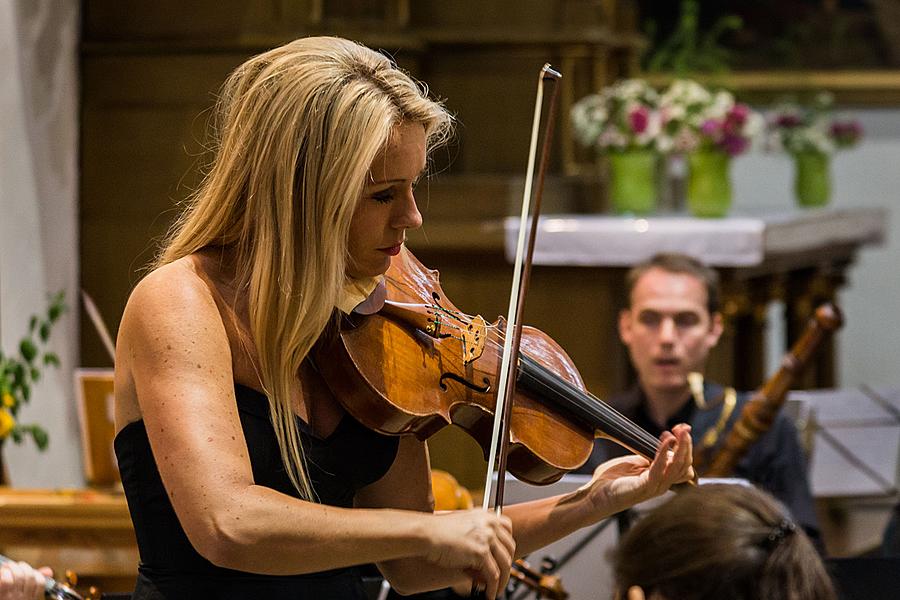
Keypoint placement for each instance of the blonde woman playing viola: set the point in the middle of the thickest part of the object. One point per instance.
(242, 482)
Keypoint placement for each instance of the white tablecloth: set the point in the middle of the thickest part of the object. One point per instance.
(738, 241)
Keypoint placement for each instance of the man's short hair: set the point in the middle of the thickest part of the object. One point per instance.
(674, 262)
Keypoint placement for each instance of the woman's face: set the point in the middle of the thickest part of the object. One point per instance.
(387, 207)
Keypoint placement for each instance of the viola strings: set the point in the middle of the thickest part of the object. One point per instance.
(606, 414)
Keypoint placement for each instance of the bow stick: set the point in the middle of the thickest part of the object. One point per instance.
(521, 276)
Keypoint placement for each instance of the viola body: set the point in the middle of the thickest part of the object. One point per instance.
(420, 364)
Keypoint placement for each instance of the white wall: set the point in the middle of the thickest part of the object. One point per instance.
(38, 218)
(868, 175)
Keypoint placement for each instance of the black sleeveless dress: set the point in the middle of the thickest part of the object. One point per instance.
(339, 465)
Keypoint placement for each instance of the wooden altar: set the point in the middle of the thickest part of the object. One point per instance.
(86, 531)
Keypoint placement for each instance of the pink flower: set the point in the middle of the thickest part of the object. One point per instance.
(846, 133)
(712, 129)
(734, 144)
(638, 119)
(737, 116)
(788, 121)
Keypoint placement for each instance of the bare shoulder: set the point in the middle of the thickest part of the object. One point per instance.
(173, 300)
(175, 286)
(171, 334)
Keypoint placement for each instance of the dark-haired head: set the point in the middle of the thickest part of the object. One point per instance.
(721, 541)
(672, 262)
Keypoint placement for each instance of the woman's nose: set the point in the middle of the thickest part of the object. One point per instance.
(408, 215)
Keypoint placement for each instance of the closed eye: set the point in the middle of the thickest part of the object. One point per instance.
(383, 196)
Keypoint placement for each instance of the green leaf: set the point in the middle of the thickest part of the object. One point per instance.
(16, 434)
(45, 331)
(32, 324)
(35, 374)
(40, 437)
(51, 359)
(26, 392)
(28, 349)
(57, 306)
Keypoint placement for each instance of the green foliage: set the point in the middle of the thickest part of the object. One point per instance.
(19, 373)
(687, 51)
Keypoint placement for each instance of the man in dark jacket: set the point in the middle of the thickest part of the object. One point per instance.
(669, 328)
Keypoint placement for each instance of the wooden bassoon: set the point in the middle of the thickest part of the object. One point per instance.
(760, 411)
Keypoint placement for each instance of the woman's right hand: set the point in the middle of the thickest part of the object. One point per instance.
(476, 541)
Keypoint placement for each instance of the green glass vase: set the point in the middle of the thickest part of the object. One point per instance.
(709, 184)
(812, 179)
(633, 181)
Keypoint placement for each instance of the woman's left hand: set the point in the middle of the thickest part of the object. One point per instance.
(20, 581)
(623, 482)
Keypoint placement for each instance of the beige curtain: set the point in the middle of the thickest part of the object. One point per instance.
(38, 217)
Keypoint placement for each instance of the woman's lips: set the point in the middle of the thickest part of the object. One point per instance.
(391, 251)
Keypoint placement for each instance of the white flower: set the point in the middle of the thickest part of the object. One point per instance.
(754, 125)
(672, 112)
(820, 140)
(722, 102)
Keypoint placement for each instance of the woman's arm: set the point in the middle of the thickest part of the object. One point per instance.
(407, 485)
(173, 355)
(616, 485)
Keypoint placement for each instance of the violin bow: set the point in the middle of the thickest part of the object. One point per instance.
(521, 278)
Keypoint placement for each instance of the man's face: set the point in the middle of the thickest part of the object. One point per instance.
(668, 329)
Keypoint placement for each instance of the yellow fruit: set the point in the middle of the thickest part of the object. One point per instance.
(7, 422)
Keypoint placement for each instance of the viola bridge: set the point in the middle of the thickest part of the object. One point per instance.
(439, 323)
(473, 339)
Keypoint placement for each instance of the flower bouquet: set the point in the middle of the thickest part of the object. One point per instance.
(622, 117)
(791, 127)
(695, 119)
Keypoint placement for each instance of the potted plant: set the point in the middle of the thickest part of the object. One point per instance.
(18, 372)
(622, 123)
(710, 128)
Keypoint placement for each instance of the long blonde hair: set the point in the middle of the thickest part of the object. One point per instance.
(297, 129)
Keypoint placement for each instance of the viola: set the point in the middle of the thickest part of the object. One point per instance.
(420, 363)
